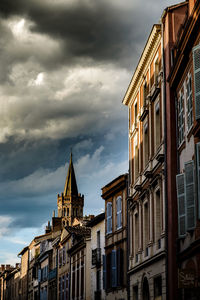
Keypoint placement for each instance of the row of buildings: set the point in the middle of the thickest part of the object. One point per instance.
(147, 244)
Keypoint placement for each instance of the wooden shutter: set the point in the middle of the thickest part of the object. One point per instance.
(180, 187)
(39, 275)
(104, 272)
(189, 193)
(196, 65)
(198, 176)
(120, 265)
(109, 217)
(114, 268)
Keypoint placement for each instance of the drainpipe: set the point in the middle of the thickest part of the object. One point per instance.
(165, 156)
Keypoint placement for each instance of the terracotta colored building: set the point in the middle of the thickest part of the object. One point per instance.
(184, 106)
(115, 258)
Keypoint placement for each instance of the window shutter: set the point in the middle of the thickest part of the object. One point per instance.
(64, 255)
(104, 272)
(196, 64)
(180, 186)
(114, 268)
(189, 193)
(39, 275)
(65, 286)
(198, 175)
(109, 217)
(120, 267)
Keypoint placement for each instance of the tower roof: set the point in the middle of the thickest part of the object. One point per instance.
(70, 183)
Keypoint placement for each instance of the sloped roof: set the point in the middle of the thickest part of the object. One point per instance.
(70, 183)
(79, 230)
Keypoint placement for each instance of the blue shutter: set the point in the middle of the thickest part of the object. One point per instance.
(114, 268)
(180, 187)
(190, 196)
(196, 65)
(39, 275)
(65, 286)
(104, 272)
(198, 175)
(109, 217)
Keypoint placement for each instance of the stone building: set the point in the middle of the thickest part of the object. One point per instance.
(146, 201)
(97, 226)
(115, 258)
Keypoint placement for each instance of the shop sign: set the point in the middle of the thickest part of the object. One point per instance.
(186, 278)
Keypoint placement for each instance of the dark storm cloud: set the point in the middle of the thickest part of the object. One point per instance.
(102, 31)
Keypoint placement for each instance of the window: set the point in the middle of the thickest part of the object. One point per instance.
(186, 199)
(196, 64)
(68, 211)
(157, 124)
(136, 228)
(136, 157)
(180, 119)
(119, 212)
(158, 215)
(98, 280)
(158, 288)
(146, 228)
(156, 71)
(198, 174)
(135, 114)
(145, 94)
(135, 293)
(146, 144)
(98, 239)
(189, 103)
(109, 217)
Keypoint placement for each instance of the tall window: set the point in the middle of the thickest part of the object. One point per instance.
(109, 217)
(136, 241)
(158, 215)
(135, 114)
(146, 143)
(119, 212)
(146, 228)
(98, 239)
(180, 119)
(189, 103)
(157, 124)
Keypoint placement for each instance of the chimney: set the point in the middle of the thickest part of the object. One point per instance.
(2, 268)
(7, 267)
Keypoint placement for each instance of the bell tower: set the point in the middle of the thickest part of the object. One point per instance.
(70, 203)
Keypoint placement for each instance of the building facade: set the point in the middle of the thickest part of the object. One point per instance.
(97, 226)
(144, 98)
(115, 258)
(184, 82)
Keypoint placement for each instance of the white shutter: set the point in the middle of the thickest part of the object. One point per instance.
(189, 193)
(198, 175)
(196, 65)
(180, 187)
(109, 217)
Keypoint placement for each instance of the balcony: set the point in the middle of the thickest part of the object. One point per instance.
(52, 274)
(97, 295)
(96, 256)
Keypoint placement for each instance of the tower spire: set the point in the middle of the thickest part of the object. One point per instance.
(70, 183)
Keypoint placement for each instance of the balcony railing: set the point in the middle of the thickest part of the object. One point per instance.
(52, 274)
(96, 256)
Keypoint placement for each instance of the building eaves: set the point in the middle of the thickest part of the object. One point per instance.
(23, 251)
(96, 220)
(154, 34)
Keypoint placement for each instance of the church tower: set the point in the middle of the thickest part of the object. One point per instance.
(70, 203)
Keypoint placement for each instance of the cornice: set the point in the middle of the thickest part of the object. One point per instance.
(147, 55)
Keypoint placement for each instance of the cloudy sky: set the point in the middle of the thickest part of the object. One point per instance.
(64, 69)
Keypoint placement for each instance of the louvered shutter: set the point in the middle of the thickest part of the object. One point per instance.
(180, 187)
(104, 272)
(120, 267)
(109, 217)
(196, 65)
(198, 175)
(114, 268)
(39, 275)
(65, 286)
(190, 196)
